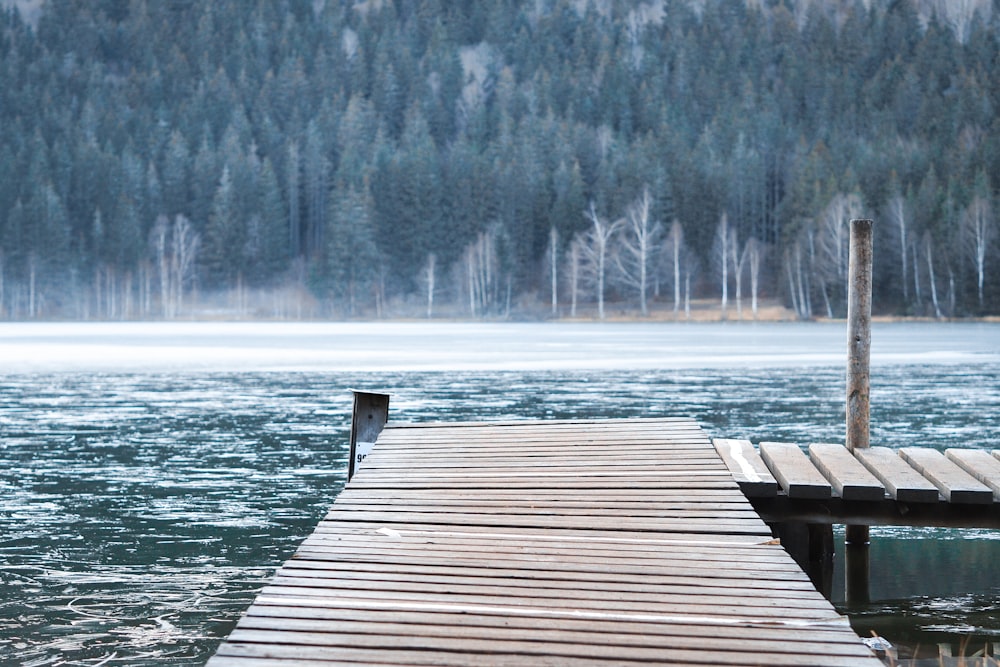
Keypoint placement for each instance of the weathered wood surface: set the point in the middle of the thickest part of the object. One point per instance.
(748, 468)
(850, 480)
(979, 464)
(583, 543)
(956, 485)
(797, 476)
(922, 487)
(904, 483)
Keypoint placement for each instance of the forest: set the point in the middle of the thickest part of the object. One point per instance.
(341, 159)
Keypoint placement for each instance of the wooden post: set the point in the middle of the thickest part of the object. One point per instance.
(371, 412)
(859, 338)
(857, 572)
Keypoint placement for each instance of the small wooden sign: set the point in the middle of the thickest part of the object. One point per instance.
(371, 412)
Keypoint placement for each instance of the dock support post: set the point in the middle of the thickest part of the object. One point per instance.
(857, 571)
(368, 418)
(859, 337)
(811, 546)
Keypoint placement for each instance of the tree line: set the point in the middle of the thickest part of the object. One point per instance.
(300, 158)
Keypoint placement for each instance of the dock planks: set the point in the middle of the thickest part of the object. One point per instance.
(585, 543)
(912, 486)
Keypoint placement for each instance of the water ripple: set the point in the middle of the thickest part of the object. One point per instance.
(141, 512)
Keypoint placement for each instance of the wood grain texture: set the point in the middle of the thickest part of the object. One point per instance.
(903, 482)
(979, 464)
(796, 474)
(956, 485)
(747, 467)
(850, 479)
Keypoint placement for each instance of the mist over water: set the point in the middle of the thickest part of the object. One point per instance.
(152, 476)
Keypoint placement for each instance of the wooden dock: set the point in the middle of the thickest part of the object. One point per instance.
(912, 486)
(542, 543)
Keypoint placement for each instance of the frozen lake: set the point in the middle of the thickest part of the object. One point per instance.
(416, 346)
(153, 475)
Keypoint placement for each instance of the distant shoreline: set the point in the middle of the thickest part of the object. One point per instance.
(702, 311)
(653, 318)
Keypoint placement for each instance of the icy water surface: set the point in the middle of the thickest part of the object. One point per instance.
(152, 478)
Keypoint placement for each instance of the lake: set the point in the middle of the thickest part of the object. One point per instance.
(153, 475)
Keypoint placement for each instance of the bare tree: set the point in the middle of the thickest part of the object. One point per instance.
(594, 252)
(754, 254)
(575, 260)
(175, 250)
(790, 275)
(675, 242)
(637, 242)
(159, 235)
(184, 243)
(914, 256)
(978, 232)
(899, 218)
(428, 275)
(739, 260)
(832, 243)
(723, 239)
(928, 252)
(481, 265)
(145, 288)
(554, 267)
(690, 263)
(798, 279)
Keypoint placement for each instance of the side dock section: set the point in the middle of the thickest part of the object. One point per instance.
(557, 542)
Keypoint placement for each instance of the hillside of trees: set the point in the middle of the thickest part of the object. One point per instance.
(512, 158)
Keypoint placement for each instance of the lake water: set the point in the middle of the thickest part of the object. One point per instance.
(152, 476)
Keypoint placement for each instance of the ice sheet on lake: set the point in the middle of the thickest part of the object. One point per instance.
(433, 346)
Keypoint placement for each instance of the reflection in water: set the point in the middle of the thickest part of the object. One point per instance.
(928, 586)
(141, 512)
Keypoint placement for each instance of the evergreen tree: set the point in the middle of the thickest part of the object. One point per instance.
(464, 125)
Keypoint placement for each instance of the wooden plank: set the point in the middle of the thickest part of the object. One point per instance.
(674, 546)
(528, 508)
(850, 479)
(493, 632)
(751, 526)
(555, 560)
(533, 535)
(979, 464)
(627, 630)
(722, 553)
(538, 471)
(755, 607)
(901, 480)
(311, 650)
(363, 572)
(581, 463)
(795, 473)
(747, 468)
(514, 501)
(729, 495)
(595, 484)
(956, 485)
(560, 561)
(501, 427)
